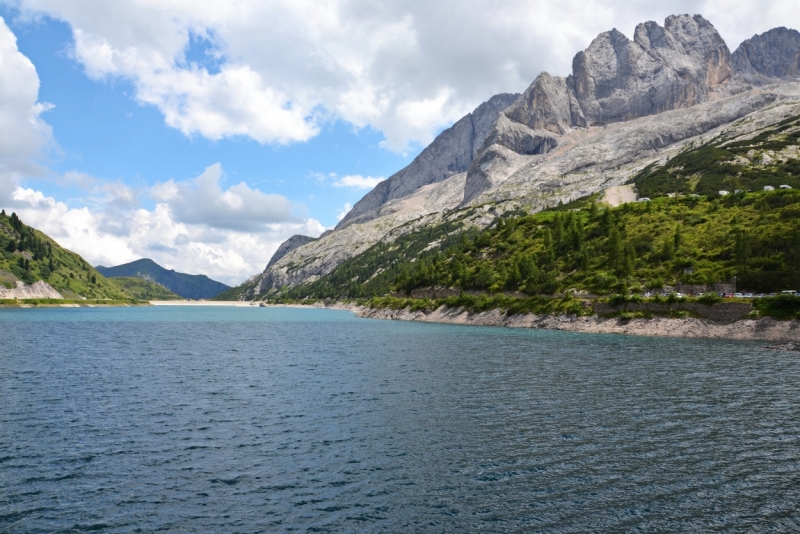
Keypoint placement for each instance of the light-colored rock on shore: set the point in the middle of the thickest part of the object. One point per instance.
(766, 329)
(37, 290)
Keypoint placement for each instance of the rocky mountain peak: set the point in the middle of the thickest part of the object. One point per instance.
(772, 55)
(662, 68)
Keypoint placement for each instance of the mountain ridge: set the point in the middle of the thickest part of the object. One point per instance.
(191, 286)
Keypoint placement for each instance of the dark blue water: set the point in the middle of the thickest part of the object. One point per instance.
(278, 420)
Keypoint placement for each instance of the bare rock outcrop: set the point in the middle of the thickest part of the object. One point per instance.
(449, 154)
(37, 290)
(772, 55)
(294, 242)
(615, 79)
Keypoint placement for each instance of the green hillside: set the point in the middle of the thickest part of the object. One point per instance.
(142, 289)
(769, 158)
(29, 255)
(638, 246)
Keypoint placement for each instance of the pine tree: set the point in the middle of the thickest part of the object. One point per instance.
(616, 250)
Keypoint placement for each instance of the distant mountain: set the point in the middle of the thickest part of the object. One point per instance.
(190, 286)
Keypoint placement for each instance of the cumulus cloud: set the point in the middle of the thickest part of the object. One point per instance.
(202, 201)
(113, 236)
(358, 182)
(275, 71)
(23, 134)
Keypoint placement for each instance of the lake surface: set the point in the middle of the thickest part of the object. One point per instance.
(181, 419)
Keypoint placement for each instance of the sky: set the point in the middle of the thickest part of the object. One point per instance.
(203, 133)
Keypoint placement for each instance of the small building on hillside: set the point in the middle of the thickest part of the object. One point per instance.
(769, 188)
(724, 193)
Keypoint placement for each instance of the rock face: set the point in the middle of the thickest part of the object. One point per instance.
(681, 65)
(289, 245)
(613, 80)
(450, 153)
(37, 290)
(663, 68)
(772, 55)
(395, 218)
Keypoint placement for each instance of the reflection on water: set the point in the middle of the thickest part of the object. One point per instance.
(254, 420)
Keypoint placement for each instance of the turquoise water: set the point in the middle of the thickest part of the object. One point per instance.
(184, 419)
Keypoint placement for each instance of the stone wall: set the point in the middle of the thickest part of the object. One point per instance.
(725, 312)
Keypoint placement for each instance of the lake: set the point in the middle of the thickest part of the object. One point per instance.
(211, 419)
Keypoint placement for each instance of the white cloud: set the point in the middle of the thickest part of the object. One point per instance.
(114, 236)
(359, 182)
(281, 68)
(345, 209)
(202, 201)
(23, 134)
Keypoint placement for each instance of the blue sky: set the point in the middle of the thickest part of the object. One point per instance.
(102, 131)
(202, 133)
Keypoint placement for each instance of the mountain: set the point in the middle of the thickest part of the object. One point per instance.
(190, 286)
(33, 265)
(688, 234)
(627, 106)
(143, 289)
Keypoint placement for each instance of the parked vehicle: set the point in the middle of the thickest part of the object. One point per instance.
(738, 295)
(772, 294)
(727, 295)
(790, 292)
(748, 295)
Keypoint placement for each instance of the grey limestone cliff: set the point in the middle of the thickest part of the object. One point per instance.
(772, 55)
(679, 65)
(289, 245)
(450, 153)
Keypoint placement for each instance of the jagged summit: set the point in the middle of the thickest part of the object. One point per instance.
(679, 65)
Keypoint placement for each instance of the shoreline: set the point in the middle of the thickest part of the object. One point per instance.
(764, 329)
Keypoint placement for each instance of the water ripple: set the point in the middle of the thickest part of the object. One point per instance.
(253, 420)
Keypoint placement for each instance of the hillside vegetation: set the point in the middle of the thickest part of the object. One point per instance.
(769, 158)
(142, 289)
(587, 248)
(29, 255)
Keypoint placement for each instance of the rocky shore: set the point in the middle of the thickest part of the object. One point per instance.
(765, 329)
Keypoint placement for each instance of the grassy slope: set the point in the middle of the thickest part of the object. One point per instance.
(143, 289)
(37, 257)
